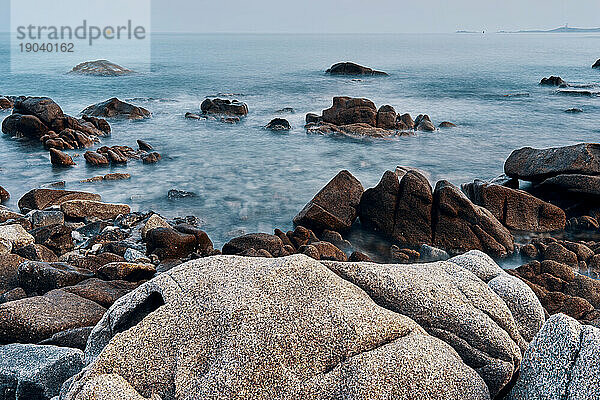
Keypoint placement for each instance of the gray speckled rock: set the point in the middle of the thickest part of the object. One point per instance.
(30, 371)
(452, 304)
(562, 362)
(263, 328)
(518, 296)
(16, 235)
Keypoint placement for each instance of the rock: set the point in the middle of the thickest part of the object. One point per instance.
(44, 108)
(596, 64)
(9, 275)
(107, 177)
(24, 126)
(16, 235)
(536, 165)
(41, 277)
(328, 251)
(60, 158)
(423, 123)
(55, 237)
(335, 206)
(37, 252)
(386, 117)
(561, 362)
(301, 236)
(36, 372)
(349, 68)
(151, 158)
(5, 247)
(127, 271)
(446, 124)
(516, 209)
(204, 245)
(13, 295)
(4, 195)
(312, 118)
(132, 255)
(461, 225)
(116, 157)
(144, 146)
(5, 103)
(41, 218)
(553, 81)
(6, 214)
(346, 110)
(94, 158)
(39, 199)
(452, 304)
(574, 110)
(429, 253)
(256, 241)
(301, 305)
(100, 68)
(75, 338)
(279, 124)
(224, 107)
(169, 243)
(400, 210)
(190, 115)
(93, 209)
(94, 262)
(37, 318)
(557, 252)
(179, 194)
(102, 292)
(115, 108)
(155, 221)
(573, 183)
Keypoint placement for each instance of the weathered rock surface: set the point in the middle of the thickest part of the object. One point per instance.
(16, 235)
(562, 362)
(37, 252)
(257, 241)
(538, 164)
(39, 199)
(335, 206)
(318, 336)
(102, 292)
(346, 110)
(75, 338)
(94, 158)
(452, 304)
(516, 209)
(115, 108)
(36, 372)
(90, 208)
(57, 238)
(127, 271)
(574, 183)
(60, 158)
(100, 68)
(349, 68)
(224, 106)
(37, 277)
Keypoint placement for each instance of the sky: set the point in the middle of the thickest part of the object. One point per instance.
(360, 16)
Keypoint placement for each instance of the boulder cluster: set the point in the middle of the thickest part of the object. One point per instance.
(356, 116)
(100, 68)
(115, 155)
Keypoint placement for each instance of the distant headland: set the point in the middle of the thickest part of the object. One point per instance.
(562, 29)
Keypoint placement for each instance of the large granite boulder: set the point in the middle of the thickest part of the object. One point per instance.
(100, 68)
(349, 68)
(347, 110)
(30, 371)
(532, 164)
(224, 107)
(451, 303)
(44, 108)
(562, 362)
(573, 183)
(516, 209)
(459, 225)
(39, 199)
(400, 210)
(24, 126)
(238, 328)
(335, 206)
(115, 108)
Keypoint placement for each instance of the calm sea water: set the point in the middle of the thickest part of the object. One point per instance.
(248, 179)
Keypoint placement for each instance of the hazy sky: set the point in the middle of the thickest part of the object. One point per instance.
(346, 16)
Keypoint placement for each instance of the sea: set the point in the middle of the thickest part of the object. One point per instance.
(248, 179)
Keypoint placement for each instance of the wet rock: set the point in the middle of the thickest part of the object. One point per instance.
(116, 157)
(41, 277)
(460, 225)
(55, 237)
(16, 235)
(169, 243)
(452, 304)
(94, 158)
(423, 123)
(132, 256)
(279, 124)
(9, 271)
(283, 110)
(93, 209)
(298, 299)
(94, 262)
(538, 164)
(126, 271)
(349, 68)
(561, 362)
(24, 126)
(41, 218)
(224, 106)
(5, 247)
(6, 214)
(516, 209)
(596, 64)
(335, 206)
(144, 146)
(107, 177)
(36, 372)
(5, 103)
(204, 246)
(574, 110)
(60, 158)
(13, 295)
(313, 118)
(155, 221)
(573, 183)
(100, 68)
(190, 115)
(115, 108)
(37, 252)
(446, 124)
(179, 194)
(301, 236)
(37, 318)
(335, 238)
(553, 81)
(357, 256)
(4, 195)
(346, 110)
(44, 108)
(151, 158)
(74, 338)
(102, 292)
(39, 199)
(386, 117)
(256, 241)
(328, 251)
(557, 252)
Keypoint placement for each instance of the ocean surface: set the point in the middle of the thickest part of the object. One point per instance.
(248, 179)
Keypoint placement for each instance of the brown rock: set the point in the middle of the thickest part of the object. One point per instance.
(346, 110)
(131, 272)
(256, 241)
(224, 107)
(40, 277)
(94, 158)
(349, 68)
(557, 252)
(169, 243)
(4, 195)
(89, 208)
(60, 159)
(9, 271)
(151, 158)
(102, 292)
(357, 256)
(386, 117)
(39, 199)
(55, 237)
(328, 251)
(115, 108)
(301, 236)
(37, 252)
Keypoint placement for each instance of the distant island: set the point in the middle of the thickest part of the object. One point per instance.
(562, 29)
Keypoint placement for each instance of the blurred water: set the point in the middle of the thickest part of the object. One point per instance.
(249, 179)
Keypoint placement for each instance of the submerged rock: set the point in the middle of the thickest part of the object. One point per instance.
(224, 106)
(100, 68)
(301, 305)
(349, 68)
(574, 110)
(279, 124)
(115, 108)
